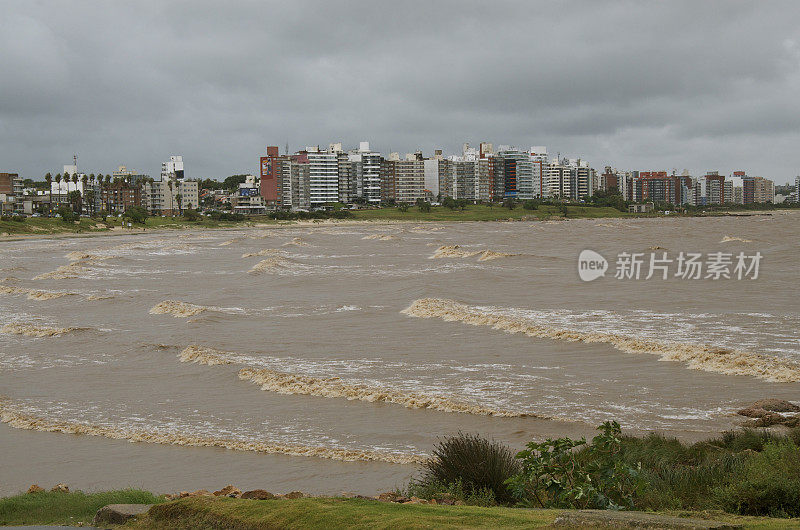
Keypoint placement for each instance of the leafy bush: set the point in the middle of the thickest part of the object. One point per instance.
(554, 475)
(67, 215)
(769, 483)
(530, 205)
(192, 215)
(424, 206)
(477, 464)
(136, 214)
(509, 203)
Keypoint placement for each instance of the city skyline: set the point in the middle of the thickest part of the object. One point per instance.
(636, 86)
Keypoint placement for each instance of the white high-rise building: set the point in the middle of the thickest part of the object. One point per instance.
(172, 169)
(323, 177)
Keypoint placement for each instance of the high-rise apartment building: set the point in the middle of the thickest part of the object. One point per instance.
(173, 168)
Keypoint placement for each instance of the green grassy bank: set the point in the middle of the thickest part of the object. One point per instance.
(51, 508)
(57, 508)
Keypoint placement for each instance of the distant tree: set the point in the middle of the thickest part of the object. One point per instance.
(74, 198)
(192, 215)
(509, 203)
(232, 182)
(423, 205)
(530, 204)
(403, 207)
(136, 214)
(67, 215)
(58, 187)
(449, 202)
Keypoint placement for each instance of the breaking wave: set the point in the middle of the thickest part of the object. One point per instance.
(453, 251)
(381, 237)
(231, 241)
(265, 252)
(298, 241)
(456, 251)
(703, 357)
(33, 330)
(488, 255)
(728, 239)
(334, 387)
(16, 417)
(177, 309)
(269, 265)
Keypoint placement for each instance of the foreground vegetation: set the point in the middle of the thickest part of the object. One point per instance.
(747, 472)
(57, 508)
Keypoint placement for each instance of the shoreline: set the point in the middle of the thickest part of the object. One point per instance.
(275, 225)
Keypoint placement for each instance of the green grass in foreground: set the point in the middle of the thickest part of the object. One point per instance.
(239, 514)
(204, 512)
(55, 508)
(48, 508)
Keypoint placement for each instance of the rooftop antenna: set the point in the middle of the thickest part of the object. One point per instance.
(75, 161)
(287, 148)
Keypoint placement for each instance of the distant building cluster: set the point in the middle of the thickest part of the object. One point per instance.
(316, 177)
(113, 193)
(313, 177)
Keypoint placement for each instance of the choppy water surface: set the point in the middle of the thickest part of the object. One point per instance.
(331, 358)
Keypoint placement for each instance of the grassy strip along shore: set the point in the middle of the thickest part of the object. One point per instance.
(59, 508)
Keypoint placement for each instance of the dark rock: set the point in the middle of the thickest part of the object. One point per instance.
(752, 412)
(768, 405)
(612, 519)
(294, 495)
(259, 495)
(119, 513)
(228, 491)
(776, 405)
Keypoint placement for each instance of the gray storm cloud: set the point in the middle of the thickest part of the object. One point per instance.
(639, 85)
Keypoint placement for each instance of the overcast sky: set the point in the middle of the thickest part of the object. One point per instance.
(638, 85)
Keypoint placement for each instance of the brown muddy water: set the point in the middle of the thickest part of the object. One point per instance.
(332, 358)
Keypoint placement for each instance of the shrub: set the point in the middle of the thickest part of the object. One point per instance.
(454, 492)
(509, 203)
(192, 215)
(530, 205)
(555, 475)
(136, 214)
(768, 485)
(424, 206)
(477, 464)
(67, 215)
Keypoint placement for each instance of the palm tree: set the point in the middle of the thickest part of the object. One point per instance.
(85, 182)
(58, 187)
(171, 197)
(107, 180)
(49, 179)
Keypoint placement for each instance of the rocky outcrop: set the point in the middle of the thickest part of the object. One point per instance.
(769, 412)
(63, 488)
(119, 513)
(35, 488)
(294, 495)
(229, 491)
(259, 495)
